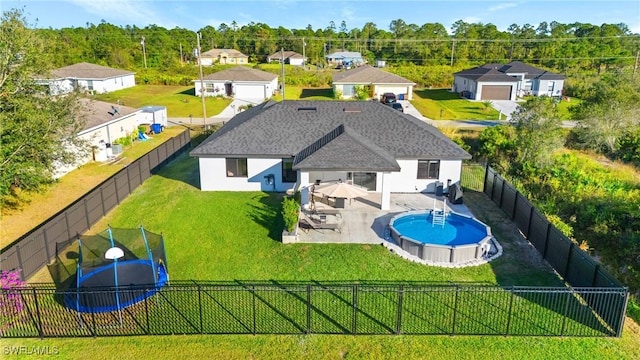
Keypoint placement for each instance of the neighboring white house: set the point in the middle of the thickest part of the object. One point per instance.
(290, 57)
(506, 82)
(223, 56)
(376, 80)
(239, 82)
(87, 77)
(105, 123)
(277, 146)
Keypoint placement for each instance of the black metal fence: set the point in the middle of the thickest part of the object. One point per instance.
(577, 267)
(334, 308)
(35, 249)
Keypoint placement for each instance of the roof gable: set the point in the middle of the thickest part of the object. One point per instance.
(357, 153)
(369, 75)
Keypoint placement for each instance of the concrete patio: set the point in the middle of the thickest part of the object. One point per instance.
(362, 221)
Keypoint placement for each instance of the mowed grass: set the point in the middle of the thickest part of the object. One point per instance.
(40, 206)
(179, 100)
(296, 92)
(441, 104)
(227, 236)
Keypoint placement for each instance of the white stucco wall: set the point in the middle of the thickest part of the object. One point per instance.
(407, 179)
(461, 84)
(98, 137)
(108, 85)
(213, 175)
(267, 91)
(543, 86)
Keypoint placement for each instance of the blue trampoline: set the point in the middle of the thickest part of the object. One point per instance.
(107, 283)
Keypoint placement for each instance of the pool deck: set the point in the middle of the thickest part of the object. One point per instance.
(362, 221)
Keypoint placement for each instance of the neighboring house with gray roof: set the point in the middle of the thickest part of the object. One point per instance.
(277, 146)
(88, 77)
(104, 123)
(377, 82)
(290, 57)
(240, 82)
(507, 82)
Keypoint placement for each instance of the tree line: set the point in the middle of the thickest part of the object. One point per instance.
(574, 47)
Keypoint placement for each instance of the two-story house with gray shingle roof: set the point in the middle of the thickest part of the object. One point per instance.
(377, 81)
(293, 144)
(506, 82)
(88, 77)
(533, 80)
(240, 82)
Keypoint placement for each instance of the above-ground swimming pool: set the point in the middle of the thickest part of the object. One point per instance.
(459, 240)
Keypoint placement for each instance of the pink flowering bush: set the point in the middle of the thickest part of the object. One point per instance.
(10, 300)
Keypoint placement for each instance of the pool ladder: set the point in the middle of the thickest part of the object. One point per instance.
(438, 216)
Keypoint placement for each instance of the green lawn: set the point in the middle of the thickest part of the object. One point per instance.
(441, 104)
(296, 92)
(231, 235)
(179, 100)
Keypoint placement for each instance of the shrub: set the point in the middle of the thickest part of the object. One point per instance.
(10, 301)
(290, 209)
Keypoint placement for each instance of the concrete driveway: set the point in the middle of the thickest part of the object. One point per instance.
(506, 107)
(224, 116)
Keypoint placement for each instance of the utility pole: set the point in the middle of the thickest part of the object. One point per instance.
(181, 54)
(453, 49)
(202, 87)
(144, 52)
(304, 59)
(282, 65)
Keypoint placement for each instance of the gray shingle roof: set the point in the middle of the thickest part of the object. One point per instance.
(100, 112)
(88, 71)
(369, 75)
(357, 153)
(241, 73)
(531, 72)
(373, 135)
(485, 74)
(287, 55)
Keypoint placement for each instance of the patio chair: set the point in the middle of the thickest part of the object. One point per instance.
(307, 223)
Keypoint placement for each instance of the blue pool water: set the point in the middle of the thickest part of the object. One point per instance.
(458, 230)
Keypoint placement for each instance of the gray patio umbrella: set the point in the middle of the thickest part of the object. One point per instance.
(342, 190)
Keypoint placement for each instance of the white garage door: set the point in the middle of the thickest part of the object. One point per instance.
(250, 92)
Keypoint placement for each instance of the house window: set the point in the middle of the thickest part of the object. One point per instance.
(550, 86)
(288, 174)
(209, 87)
(428, 169)
(90, 85)
(237, 167)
